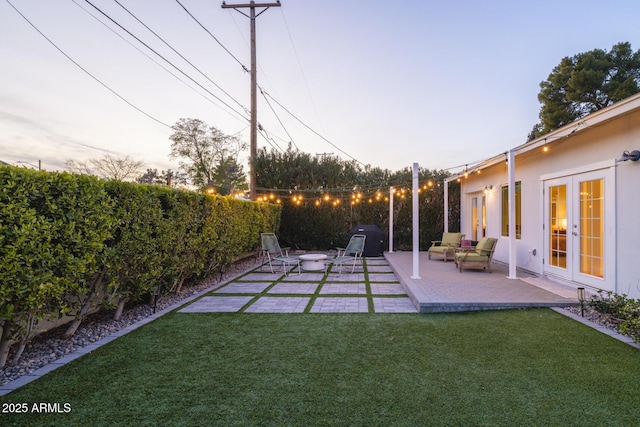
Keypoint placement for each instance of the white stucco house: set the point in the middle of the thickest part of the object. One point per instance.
(565, 205)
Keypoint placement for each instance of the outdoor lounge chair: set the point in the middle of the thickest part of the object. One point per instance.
(352, 254)
(446, 246)
(273, 252)
(479, 256)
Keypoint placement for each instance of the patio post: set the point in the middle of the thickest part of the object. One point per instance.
(446, 205)
(511, 171)
(416, 225)
(391, 219)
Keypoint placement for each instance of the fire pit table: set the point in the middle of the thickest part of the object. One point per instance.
(313, 262)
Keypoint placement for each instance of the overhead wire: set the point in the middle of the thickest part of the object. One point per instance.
(304, 77)
(148, 56)
(180, 55)
(313, 131)
(166, 60)
(263, 132)
(264, 93)
(214, 37)
(85, 70)
(278, 117)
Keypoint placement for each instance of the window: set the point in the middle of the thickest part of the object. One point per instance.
(505, 210)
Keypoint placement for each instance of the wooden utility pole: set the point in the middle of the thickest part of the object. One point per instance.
(253, 146)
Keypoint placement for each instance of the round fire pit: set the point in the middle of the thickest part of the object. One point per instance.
(313, 262)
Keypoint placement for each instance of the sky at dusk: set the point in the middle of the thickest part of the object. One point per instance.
(387, 83)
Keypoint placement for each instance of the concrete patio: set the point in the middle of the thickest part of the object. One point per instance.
(441, 287)
(383, 285)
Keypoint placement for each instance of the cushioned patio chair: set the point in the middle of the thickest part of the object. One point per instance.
(445, 247)
(274, 253)
(479, 256)
(352, 254)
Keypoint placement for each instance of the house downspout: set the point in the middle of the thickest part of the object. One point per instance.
(511, 171)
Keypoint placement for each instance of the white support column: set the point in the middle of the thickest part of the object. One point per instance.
(511, 171)
(446, 205)
(391, 219)
(416, 225)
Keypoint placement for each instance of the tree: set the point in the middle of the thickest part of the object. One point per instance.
(323, 198)
(211, 157)
(151, 176)
(107, 167)
(168, 178)
(585, 83)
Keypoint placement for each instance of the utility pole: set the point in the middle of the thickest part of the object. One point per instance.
(253, 146)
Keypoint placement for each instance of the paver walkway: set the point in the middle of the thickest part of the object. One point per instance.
(372, 288)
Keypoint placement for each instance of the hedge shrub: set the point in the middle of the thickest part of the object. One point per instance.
(52, 233)
(70, 243)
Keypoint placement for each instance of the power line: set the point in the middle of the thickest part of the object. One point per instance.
(263, 132)
(312, 130)
(179, 54)
(165, 59)
(277, 117)
(214, 37)
(85, 70)
(150, 58)
(304, 77)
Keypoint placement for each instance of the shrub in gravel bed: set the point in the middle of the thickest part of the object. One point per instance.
(620, 310)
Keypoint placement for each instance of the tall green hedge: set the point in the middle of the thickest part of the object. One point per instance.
(69, 243)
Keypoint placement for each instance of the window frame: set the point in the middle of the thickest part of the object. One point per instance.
(504, 232)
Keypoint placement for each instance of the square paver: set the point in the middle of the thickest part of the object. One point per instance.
(279, 305)
(294, 288)
(340, 305)
(387, 289)
(217, 304)
(344, 288)
(243, 288)
(393, 305)
(345, 277)
(382, 277)
(303, 277)
(257, 276)
(379, 268)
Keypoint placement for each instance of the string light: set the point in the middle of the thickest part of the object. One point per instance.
(334, 197)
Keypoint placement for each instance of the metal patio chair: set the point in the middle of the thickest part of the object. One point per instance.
(274, 253)
(352, 254)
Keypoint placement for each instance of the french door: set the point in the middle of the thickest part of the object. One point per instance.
(478, 217)
(578, 211)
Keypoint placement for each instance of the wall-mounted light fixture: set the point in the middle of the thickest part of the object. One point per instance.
(488, 188)
(634, 156)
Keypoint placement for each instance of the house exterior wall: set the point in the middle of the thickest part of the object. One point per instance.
(595, 147)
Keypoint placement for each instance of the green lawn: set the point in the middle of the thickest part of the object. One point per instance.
(520, 367)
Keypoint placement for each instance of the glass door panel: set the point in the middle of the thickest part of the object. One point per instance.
(474, 218)
(484, 217)
(592, 227)
(557, 231)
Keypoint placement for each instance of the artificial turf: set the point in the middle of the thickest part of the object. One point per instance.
(515, 367)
